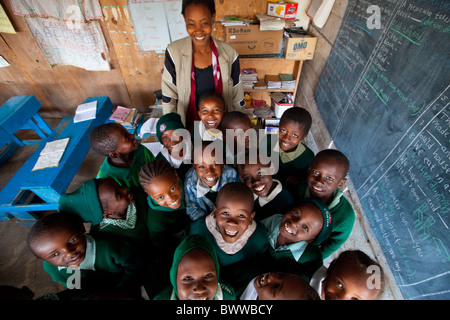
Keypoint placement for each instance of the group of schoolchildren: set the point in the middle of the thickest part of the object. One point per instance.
(162, 228)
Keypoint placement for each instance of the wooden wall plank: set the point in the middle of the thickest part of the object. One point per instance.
(134, 74)
(58, 89)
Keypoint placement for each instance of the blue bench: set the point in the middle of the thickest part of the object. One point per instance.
(30, 191)
(20, 113)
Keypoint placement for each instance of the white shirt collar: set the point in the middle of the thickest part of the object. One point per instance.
(265, 200)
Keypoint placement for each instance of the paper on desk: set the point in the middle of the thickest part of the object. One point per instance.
(51, 154)
(85, 111)
(120, 114)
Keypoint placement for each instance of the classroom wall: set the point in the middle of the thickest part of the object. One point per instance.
(134, 74)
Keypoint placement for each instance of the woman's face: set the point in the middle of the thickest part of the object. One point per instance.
(199, 22)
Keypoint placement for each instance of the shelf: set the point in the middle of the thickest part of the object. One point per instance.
(265, 66)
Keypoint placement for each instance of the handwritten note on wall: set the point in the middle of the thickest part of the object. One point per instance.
(157, 23)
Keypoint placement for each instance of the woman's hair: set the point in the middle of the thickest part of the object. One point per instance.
(210, 4)
(100, 138)
(154, 169)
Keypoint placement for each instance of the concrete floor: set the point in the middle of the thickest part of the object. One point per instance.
(19, 267)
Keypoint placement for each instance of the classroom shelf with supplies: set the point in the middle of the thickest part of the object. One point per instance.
(266, 68)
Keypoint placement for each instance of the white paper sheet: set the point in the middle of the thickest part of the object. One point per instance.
(51, 154)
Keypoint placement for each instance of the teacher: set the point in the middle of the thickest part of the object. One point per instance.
(198, 64)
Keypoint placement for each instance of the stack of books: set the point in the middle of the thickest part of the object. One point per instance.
(260, 84)
(249, 78)
(287, 81)
(127, 117)
(273, 81)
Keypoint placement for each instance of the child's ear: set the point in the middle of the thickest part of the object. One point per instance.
(342, 182)
(252, 216)
(214, 211)
(106, 214)
(114, 154)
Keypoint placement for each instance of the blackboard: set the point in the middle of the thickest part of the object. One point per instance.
(384, 96)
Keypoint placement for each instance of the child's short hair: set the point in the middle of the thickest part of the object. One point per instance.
(233, 116)
(209, 95)
(299, 115)
(336, 155)
(101, 140)
(208, 3)
(50, 221)
(361, 259)
(154, 169)
(237, 188)
(206, 143)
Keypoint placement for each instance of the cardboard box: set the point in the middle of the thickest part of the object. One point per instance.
(282, 9)
(300, 48)
(249, 40)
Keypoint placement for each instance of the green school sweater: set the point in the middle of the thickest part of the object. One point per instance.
(117, 265)
(342, 220)
(127, 176)
(256, 244)
(85, 203)
(167, 226)
(297, 167)
(281, 203)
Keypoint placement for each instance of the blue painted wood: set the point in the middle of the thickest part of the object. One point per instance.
(50, 183)
(15, 112)
(7, 152)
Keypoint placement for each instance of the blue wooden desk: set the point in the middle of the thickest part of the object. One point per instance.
(30, 191)
(16, 114)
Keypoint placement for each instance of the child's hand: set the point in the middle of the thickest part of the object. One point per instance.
(292, 180)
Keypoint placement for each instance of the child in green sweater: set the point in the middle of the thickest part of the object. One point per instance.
(172, 134)
(111, 209)
(295, 236)
(124, 154)
(194, 274)
(167, 219)
(326, 177)
(269, 194)
(231, 228)
(80, 261)
(295, 157)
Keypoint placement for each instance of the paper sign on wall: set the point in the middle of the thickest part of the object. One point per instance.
(157, 23)
(66, 31)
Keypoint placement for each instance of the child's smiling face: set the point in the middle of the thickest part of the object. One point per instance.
(170, 140)
(208, 170)
(166, 190)
(233, 213)
(290, 134)
(61, 246)
(211, 112)
(196, 276)
(256, 177)
(302, 223)
(324, 177)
